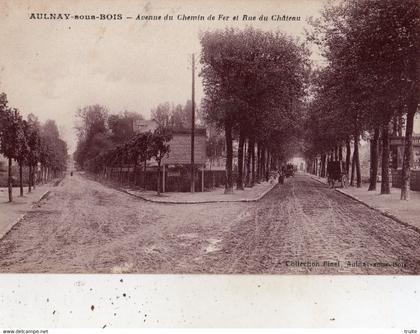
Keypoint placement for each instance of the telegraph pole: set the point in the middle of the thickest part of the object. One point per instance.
(192, 126)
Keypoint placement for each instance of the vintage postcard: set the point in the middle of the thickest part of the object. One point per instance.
(186, 137)
(260, 159)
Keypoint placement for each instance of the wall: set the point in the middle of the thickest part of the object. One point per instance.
(176, 179)
(414, 179)
(180, 150)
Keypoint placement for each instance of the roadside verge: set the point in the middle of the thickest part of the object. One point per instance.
(253, 194)
(12, 213)
(406, 213)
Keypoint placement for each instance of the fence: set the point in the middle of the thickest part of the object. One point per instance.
(15, 176)
(176, 180)
(39, 177)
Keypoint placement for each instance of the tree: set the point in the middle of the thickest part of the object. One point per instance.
(34, 145)
(143, 142)
(11, 134)
(121, 126)
(22, 151)
(159, 148)
(53, 150)
(162, 114)
(173, 116)
(371, 49)
(388, 51)
(374, 142)
(139, 149)
(251, 77)
(92, 132)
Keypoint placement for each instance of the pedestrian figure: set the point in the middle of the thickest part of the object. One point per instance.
(281, 176)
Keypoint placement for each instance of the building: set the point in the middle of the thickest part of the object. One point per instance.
(180, 144)
(3, 171)
(142, 125)
(180, 147)
(397, 147)
(176, 166)
(3, 164)
(397, 152)
(299, 162)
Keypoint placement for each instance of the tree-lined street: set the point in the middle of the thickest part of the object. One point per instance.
(85, 227)
(337, 100)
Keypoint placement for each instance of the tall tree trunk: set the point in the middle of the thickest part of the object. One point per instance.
(248, 164)
(357, 161)
(374, 160)
(353, 168)
(340, 152)
(408, 150)
(323, 160)
(395, 125)
(33, 177)
(134, 173)
(9, 180)
(253, 164)
(144, 174)
(245, 150)
(348, 155)
(258, 162)
(158, 177)
(262, 162)
(400, 125)
(30, 178)
(229, 158)
(385, 188)
(239, 179)
(21, 178)
(267, 166)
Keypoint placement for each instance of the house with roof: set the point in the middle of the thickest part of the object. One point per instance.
(176, 166)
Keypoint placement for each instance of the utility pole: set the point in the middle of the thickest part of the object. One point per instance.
(192, 126)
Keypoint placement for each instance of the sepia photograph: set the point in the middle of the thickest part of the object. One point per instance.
(200, 138)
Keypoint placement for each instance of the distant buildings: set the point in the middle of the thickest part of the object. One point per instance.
(176, 165)
(397, 152)
(142, 125)
(3, 164)
(180, 144)
(180, 147)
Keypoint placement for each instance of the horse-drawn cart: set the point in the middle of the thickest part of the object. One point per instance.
(336, 171)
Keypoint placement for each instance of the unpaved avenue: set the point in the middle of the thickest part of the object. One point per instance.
(84, 227)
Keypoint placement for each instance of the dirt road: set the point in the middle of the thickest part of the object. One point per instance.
(300, 227)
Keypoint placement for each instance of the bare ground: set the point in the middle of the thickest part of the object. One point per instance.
(85, 227)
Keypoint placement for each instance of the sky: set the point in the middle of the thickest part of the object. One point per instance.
(53, 67)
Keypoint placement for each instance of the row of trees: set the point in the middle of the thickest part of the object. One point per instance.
(254, 83)
(99, 131)
(29, 143)
(369, 86)
(173, 116)
(108, 141)
(139, 149)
